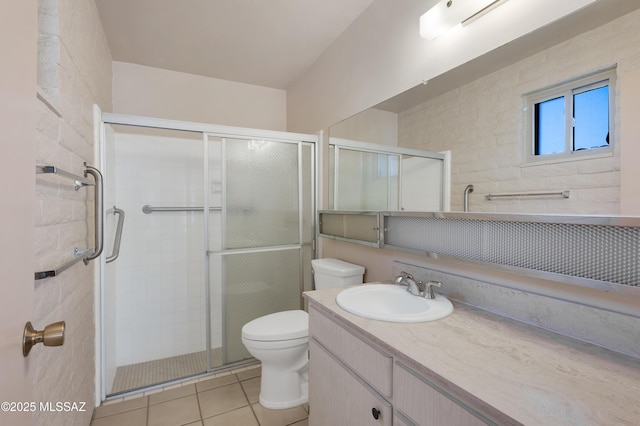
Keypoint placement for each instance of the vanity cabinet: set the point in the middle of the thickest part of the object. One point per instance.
(353, 382)
(340, 397)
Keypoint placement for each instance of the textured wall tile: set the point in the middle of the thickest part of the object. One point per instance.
(79, 69)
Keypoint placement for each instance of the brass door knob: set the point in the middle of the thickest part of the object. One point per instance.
(52, 335)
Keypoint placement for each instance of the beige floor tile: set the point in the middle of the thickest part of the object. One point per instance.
(129, 418)
(220, 400)
(120, 407)
(250, 373)
(216, 382)
(196, 424)
(175, 412)
(304, 422)
(252, 389)
(240, 417)
(285, 417)
(168, 395)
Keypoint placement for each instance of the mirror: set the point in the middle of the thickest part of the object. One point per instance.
(364, 176)
(475, 112)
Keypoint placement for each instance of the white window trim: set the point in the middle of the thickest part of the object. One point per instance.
(568, 89)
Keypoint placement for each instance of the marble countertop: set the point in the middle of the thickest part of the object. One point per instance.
(509, 371)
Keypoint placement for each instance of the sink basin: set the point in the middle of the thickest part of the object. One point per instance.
(388, 302)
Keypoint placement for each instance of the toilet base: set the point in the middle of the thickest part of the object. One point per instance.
(286, 391)
(304, 398)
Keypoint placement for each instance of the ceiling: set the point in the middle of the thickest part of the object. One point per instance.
(265, 43)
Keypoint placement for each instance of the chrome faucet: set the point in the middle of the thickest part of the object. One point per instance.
(413, 287)
(417, 288)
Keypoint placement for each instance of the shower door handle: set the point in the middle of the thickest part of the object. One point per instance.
(97, 208)
(116, 242)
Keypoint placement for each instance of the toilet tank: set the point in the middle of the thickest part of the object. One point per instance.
(328, 273)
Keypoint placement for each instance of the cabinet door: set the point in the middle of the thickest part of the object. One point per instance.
(399, 420)
(427, 406)
(358, 355)
(338, 397)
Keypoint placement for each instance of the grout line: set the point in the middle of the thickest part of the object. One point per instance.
(148, 411)
(199, 408)
(255, 416)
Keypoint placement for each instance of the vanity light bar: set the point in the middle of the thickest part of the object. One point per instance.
(450, 13)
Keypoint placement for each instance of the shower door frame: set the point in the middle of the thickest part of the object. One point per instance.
(224, 252)
(207, 130)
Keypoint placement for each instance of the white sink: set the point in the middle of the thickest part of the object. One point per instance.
(388, 302)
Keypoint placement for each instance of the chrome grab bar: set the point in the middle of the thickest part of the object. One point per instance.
(564, 194)
(97, 208)
(467, 191)
(147, 209)
(115, 252)
(80, 254)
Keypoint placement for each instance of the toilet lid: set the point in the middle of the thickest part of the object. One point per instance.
(285, 325)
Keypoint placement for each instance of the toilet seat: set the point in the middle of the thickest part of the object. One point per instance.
(286, 325)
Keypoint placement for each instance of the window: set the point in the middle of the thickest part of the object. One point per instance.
(571, 119)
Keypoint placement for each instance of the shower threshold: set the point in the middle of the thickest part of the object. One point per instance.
(145, 374)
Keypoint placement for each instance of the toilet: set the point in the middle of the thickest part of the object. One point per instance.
(281, 340)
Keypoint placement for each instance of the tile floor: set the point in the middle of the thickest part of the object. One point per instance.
(228, 399)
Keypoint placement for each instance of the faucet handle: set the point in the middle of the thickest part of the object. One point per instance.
(428, 289)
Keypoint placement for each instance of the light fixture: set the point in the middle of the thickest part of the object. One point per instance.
(450, 13)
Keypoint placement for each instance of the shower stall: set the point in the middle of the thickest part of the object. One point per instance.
(206, 228)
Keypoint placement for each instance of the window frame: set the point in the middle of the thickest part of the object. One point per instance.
(568, 89)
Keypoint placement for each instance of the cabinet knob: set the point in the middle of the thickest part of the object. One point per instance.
(375, 413)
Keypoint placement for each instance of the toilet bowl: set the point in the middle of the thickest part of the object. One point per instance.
(281, 340)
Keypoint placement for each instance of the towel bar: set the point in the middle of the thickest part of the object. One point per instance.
(564, 194)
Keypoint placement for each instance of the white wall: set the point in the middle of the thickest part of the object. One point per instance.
(371, 125)
(629, 83)
(159, 93)
(80, 76)
(18, 24)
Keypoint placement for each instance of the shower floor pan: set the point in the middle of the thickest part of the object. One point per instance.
(144, 374)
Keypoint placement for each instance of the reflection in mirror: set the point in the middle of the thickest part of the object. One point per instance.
(365, 176)
(476, 112)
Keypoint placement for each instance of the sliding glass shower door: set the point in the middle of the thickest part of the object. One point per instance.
(154, 308)
(260, 202)
(218, 230)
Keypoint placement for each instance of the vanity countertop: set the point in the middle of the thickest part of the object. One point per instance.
(512, 372)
